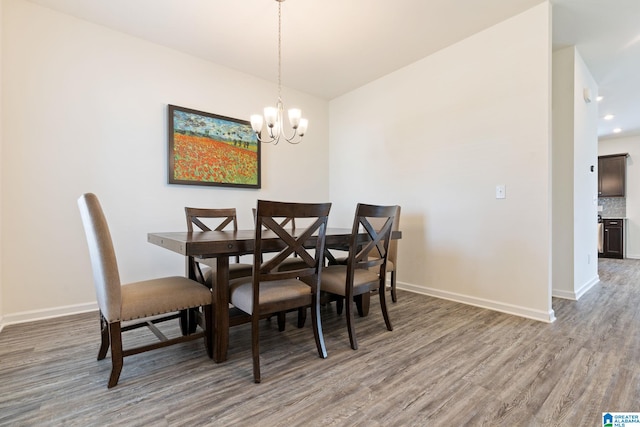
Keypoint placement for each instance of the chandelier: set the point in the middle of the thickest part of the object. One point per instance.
(274, 116)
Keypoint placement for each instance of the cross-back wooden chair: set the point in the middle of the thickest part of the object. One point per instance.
(143, 302)
(366, 265)
(291, 263)
(226, 219)
(392, 259)
(270, 290)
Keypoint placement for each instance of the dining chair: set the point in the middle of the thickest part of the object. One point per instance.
(290, 263)
(225, 219)
(270, 290)
(365, 270)
(140, 304)
(392, 258)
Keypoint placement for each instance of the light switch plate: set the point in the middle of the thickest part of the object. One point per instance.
(501, 191)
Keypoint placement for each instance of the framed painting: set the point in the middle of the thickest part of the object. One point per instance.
(207, 149)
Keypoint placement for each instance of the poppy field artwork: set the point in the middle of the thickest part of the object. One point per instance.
(207, 149)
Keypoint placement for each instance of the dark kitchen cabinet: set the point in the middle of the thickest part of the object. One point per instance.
(612, 171)
(613, 244)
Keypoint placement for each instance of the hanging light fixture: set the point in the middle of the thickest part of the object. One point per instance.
(274, 116)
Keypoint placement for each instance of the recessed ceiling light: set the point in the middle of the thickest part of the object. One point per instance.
(600, 98)
(609, 117)
(617, 130)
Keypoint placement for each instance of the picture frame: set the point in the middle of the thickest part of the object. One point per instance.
(209, 149)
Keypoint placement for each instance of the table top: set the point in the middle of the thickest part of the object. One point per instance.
(206, 244)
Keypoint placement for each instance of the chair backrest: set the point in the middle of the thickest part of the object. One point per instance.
(283, 221)
(377, 222)
(227, 216)
(106, 277)
(393, 244)
(290, 241)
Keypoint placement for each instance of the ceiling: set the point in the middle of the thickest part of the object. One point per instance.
(330, 47)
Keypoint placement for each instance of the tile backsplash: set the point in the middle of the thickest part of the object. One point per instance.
(613, 207)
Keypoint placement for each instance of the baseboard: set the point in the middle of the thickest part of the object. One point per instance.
(542, 316)
(576, 295)
(33, 315)
(585, 288)
(49, 313)
(560, 293)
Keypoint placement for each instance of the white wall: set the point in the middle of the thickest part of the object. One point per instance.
(585, 182)
(631, 145)
(437, 137)
(575, 140)
(562, 167)
(84, 109)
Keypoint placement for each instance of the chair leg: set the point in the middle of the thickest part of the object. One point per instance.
(317, 328)
(209, 332)
(255, 337)
(350, 324)
(362, 304)
(383, 306)
(339, 304)
(115, 335)
(282, 318)
(394, 296)
(188, 321)
(302, 316)
(104, 338)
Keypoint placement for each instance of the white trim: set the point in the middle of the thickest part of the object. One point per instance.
(584, 288)
(482, 303)
(559, 293)
(576, 295)
(49, 313)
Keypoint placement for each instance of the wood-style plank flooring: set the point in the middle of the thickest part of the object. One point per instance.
(444, 364)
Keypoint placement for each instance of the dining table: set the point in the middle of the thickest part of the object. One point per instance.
(221, 245)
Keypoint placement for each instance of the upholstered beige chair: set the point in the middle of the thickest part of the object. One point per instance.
(143, 302)
(365, 270)
(270, 290)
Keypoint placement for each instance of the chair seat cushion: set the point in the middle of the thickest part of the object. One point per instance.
(293, 263)
(390, 266)
(288, 292)
(159, 296)
(235, 270)
(334, 280)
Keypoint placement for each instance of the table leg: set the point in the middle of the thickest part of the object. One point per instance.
(188, 318)
(221, 309)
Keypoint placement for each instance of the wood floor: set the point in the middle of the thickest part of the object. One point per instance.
(444, 364)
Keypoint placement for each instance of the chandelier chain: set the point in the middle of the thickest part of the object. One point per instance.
(274, 117)
(279, 50)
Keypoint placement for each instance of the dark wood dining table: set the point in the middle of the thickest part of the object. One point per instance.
(223, 244)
